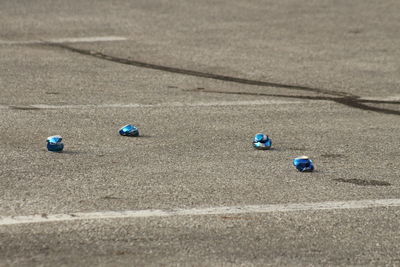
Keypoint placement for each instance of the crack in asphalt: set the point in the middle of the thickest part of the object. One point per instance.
(344, 98)
(348, 101)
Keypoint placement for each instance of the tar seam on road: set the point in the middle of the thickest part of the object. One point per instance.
(344, 98)
(348, 101)
(290, 207)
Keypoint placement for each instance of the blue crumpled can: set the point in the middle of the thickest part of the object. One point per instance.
(262, 141)
(303, 164)
(129, 130)
(54, 143)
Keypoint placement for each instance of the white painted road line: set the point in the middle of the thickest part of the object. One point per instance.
(170, 104)
(386, 98)
(66, 40)
(295, 207)
(161, 105)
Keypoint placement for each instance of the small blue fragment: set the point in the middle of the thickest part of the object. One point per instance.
(129, 130)
(303, 164)
(54, 143)
(262, 141)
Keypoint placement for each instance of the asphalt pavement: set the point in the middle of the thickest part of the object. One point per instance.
(199, 79)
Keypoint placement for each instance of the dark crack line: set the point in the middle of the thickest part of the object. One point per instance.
(355, 103)
(267, 94)
(348, 101)
(394, 102)
(344, 98)
(196, 73)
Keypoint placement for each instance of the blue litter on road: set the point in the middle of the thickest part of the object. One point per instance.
(54, 143)
(262, 141)
(303, 164)
(129, 130)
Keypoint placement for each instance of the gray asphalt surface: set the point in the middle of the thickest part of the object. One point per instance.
(329, 69)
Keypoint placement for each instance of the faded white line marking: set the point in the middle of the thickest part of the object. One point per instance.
(66, 40)
(386, 98)
(89, 39)
(160, 105)
(295, 207)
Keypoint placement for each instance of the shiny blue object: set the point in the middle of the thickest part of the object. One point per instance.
(303, 164)
(54, 143)
(129, 130)
(262, 141)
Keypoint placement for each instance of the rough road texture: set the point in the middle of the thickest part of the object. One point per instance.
(330, 70)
